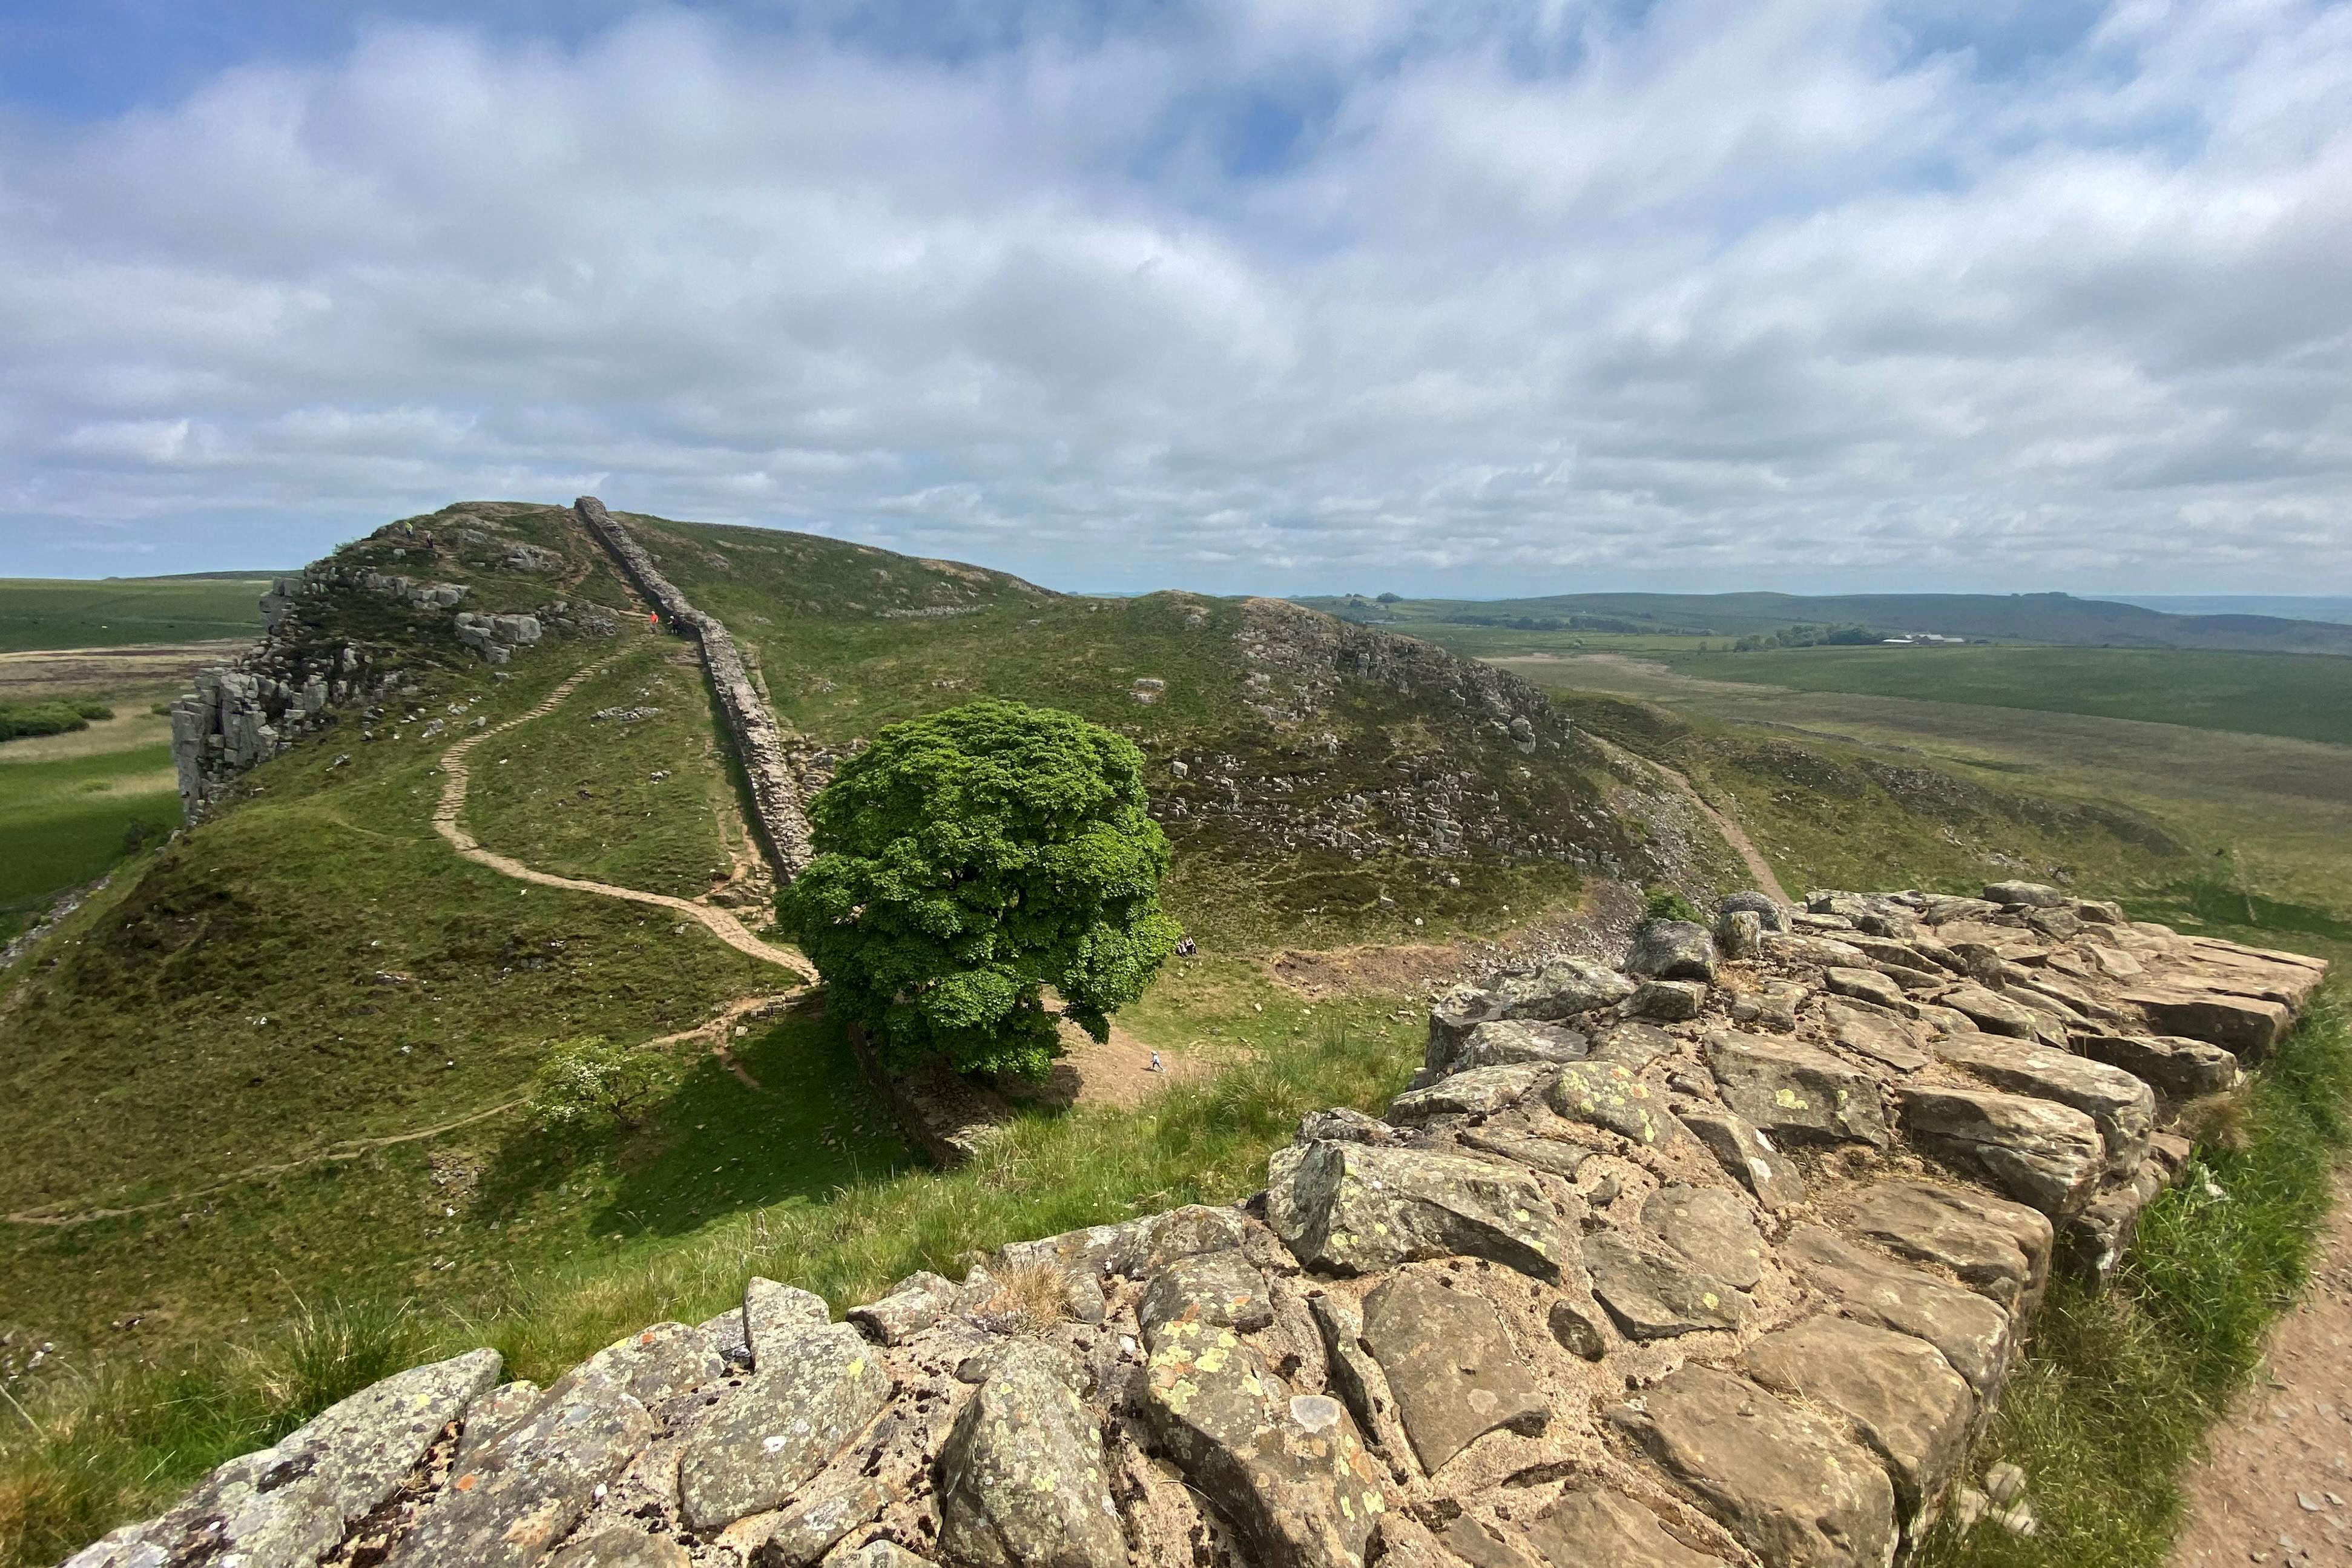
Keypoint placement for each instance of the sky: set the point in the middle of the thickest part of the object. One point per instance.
(1237, 295)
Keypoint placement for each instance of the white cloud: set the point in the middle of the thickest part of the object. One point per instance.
(1781, 292)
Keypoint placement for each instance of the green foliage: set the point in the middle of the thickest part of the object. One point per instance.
(1667, 904)
(1807, 637)
(970, 858)
(18, 720)
(587, 1082)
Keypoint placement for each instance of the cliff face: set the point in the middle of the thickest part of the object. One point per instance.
(1719, 1258)
(354, 628)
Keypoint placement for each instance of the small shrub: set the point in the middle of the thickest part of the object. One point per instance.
(588, 1081)
(1667, 904)
(1027, 1299)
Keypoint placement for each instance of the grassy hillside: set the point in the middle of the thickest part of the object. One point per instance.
(2005, 617)
(2304, 696)
(59, 613)
(1259, 753)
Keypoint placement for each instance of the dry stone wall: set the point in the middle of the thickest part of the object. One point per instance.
(1719, 1258)
(775, 792)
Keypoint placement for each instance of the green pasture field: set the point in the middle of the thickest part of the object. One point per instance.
(2305, 696)
(67, 819)
(61, 613)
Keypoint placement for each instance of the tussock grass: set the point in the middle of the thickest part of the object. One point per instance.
(118, 1442)
(2119, 1387)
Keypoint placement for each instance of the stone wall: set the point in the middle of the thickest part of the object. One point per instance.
(1719, 1257)
(776, 804)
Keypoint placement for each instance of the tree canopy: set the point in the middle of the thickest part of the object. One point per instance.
(966, 861)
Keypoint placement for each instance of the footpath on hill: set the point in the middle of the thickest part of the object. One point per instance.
(2275, 1483)
(448, 821)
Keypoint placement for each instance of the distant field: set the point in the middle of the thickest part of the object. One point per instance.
(41, 612)
(2305, 696)
(65, 819)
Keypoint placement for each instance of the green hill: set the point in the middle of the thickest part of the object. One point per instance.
(2003, 617)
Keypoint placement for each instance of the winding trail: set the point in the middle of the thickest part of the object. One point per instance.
(446, 821)
(1733, 835)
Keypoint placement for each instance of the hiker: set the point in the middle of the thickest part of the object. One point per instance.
(1155, 1063)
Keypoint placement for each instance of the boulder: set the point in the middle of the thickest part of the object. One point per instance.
(2039, 1151)
(1786, 1484)
(1634, 1046)
(492, 1416)
(1353, 1208)
(1791, 1090)
(811, 1395)
(289, 1504)
(1972, 1332)
(802, 1532)
(774, 1314)
(1346, 1124)
(878, 1552)
(1771, 1006)
(1480, 1091)
(1450, 1363)
(1994, 1015)
(1287, 1471)
(1763, 906)
(1750, 1158)
(1452, 1017)
(1591, 1525)
(1713, 1227)
(1668, 1001)
(1673, 950)
(1739, 934)
(2123, 1107)
(1866, 985)
(2249, 1026)
(1877, 1036)
(1022, 1478)
(2024, 895)
(1220, 1288)
(1654, 1292)
(1611, 1095)
(2001, 1248)
(1900, 1394)
(2176, 1067)
(1509, 1041)
(1562, 989)
(1352, 1372)
(1136, 1247)
(914, 1304)
(523, 1493)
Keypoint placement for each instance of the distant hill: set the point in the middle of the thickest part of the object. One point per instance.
(2002, 617)
(2336, 608)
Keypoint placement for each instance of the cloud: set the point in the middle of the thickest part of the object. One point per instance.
(1789, 293)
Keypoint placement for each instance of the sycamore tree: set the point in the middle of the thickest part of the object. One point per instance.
(970, 860)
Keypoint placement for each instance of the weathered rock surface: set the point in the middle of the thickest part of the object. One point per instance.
(1673, 950)
(1900, 1394)
(1792, 1090)
(2182, 1068)
(1589, 1524)
(811, 1395)
(2002, 1249)
(1785, 1482)
(1022, 1478)
(1450, 1363)
(1750, 1157)
(1711, 1226)
(618, 1546)
(1350, 1209)
(1612, 1095)
(2048, 1154)
(1220, 1288)
(2123, 1107)
(1972, 1332)
(1562, 989)
(1507, 1042)
(1480, 1091)
(1654, 1292)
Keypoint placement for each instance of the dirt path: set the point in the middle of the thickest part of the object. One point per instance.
(446, 821)
(1758, 866)
(2275, 1484)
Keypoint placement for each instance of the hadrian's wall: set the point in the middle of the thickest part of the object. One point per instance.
(1721, 1258)
(775, 793)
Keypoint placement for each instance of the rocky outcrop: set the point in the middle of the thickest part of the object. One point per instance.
(1723, 1298)
(777, 808)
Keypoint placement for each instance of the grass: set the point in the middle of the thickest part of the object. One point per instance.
(2120, 1386)
(2305, 696)
(66, 820)
(54, 613)
(121, 1439)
